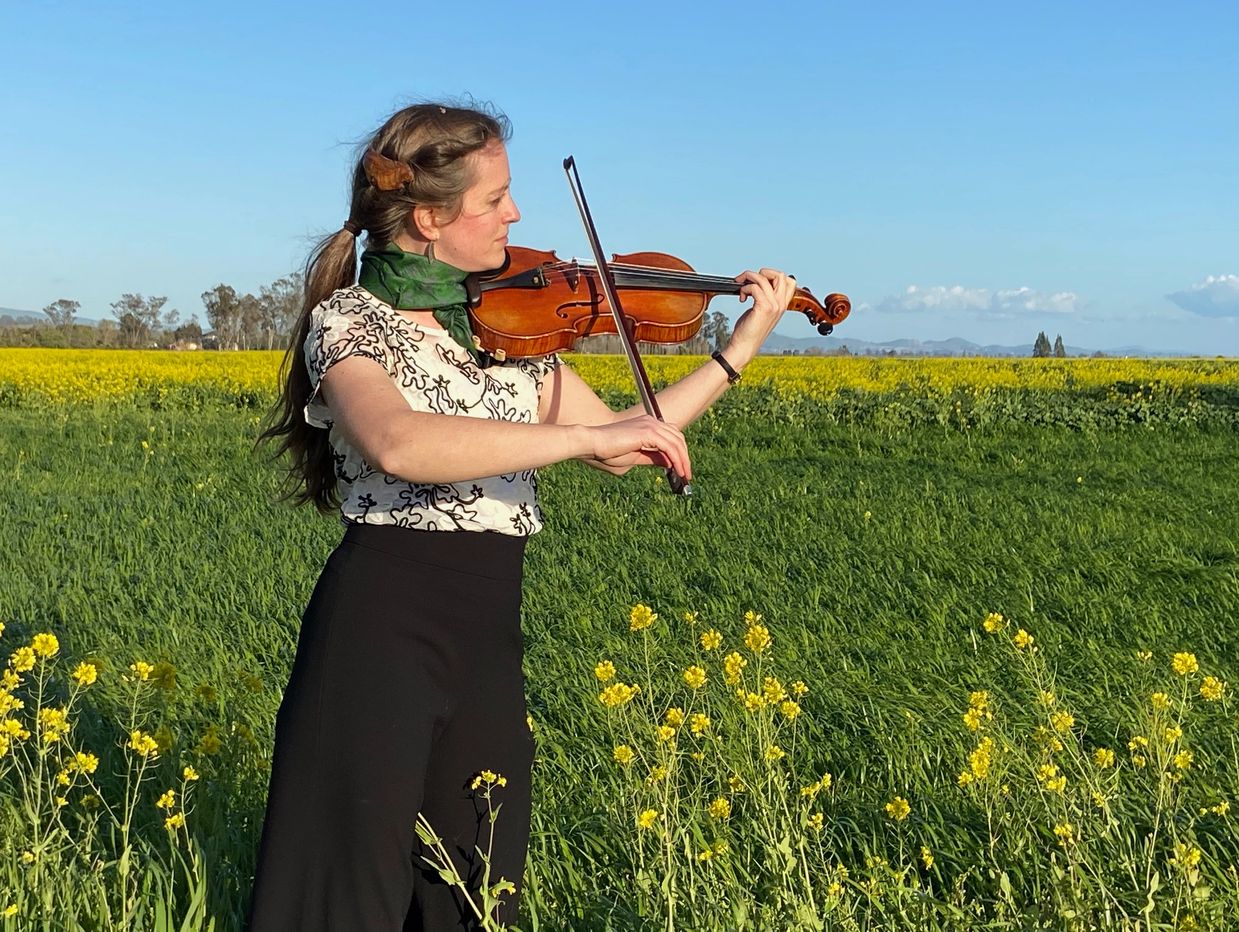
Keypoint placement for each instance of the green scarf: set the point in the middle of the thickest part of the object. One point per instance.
(408, 281)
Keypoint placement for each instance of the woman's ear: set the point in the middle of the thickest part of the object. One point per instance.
(425, 223)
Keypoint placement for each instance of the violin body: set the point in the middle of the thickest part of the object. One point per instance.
(536, 304)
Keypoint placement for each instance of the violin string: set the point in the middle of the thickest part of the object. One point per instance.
(670, 276)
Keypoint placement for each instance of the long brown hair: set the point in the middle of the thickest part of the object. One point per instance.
(433, 140)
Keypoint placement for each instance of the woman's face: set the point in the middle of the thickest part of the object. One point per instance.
(475, 239)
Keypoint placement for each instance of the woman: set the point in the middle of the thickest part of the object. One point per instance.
(407, 678)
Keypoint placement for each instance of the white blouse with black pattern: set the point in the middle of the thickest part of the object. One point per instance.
(436, 375)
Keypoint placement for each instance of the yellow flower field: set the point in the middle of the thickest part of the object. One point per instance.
(82, 376)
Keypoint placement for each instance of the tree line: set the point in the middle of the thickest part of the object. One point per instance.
(247, 321)
(234, 321)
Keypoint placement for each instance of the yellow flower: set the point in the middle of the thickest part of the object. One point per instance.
(1062, 721)
(167, 800)
(11, 909)
(1186, 856)
(1104, 758)
(85, 673)
(927, 858)
(489, 778)
(641, 617)
(623, 754)
(45, 645)
(835, 888)
(647, 818)
(62, 778)
(675, 717)
(994, 623)
(1183, 760)
(799, 689)
(757, 638)
(1065, 832)
(1173, 734)
(1046, 698)
(816, 821)
(695, 677)
(733, 665)
(210, 742)
(1184, 664)
(735, 784)
(175, 821)
(711, 640)
(980, 759)
(53, 723)
(1160, 701)
(774, 752)
(699, 723)
(143, 744)
(978, 700)
(752, 701)
(189, 774)
(691, 617)
(790, 710)
(604, 671)
(1212, 689)
(657, 774)
(22, 659)
(9, 680)
(972, 718)
(141, 669)
(1137, 742)
(898, 809)
(1221, 808)
(1138, 760)
(85, 762)
(1022, 639)
(665, 733)
(618, 694)
(772, 690)
(706, 854)
(1144, 656)
(720, 808)
(751, 618)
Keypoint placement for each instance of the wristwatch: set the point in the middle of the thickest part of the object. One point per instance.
(732, 375)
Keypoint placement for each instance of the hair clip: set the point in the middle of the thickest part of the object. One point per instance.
(384, 173)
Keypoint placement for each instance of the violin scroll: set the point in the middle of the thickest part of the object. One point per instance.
(823, 314)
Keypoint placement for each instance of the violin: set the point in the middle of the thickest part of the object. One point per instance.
(539, 305)
(536, 304)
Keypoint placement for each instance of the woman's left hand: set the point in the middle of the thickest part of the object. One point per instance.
(771, 291)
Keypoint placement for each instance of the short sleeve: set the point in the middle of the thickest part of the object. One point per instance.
(539, 367)
(338, 330)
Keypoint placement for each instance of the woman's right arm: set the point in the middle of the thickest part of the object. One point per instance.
(438, 448)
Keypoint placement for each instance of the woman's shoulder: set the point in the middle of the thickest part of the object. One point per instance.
(352, 299)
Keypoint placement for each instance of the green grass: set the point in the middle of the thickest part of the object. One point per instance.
(872, 552)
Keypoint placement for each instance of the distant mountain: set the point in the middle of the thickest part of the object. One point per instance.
(954, 346)
(37, 317)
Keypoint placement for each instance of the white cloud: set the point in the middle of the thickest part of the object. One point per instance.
(1216, 296)
(1005, 303)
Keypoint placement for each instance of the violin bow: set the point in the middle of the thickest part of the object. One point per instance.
(678, 484)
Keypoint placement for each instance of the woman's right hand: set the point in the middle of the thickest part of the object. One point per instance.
(641, 441)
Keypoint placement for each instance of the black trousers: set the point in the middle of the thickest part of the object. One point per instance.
(406, 684)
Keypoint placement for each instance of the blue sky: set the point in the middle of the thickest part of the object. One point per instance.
(959, 169)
